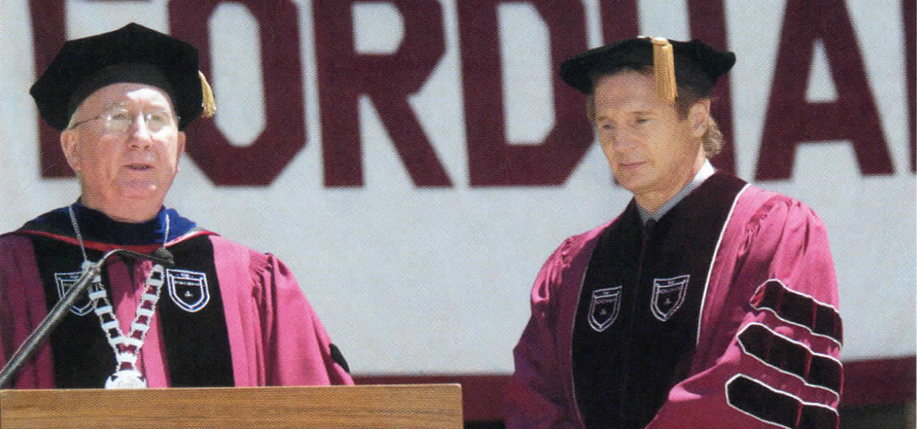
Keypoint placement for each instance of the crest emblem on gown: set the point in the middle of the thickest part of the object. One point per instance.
(65, 282)
(188, 289)
(605, 306)
(668, 295)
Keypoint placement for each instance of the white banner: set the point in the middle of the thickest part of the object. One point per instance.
(423, 264)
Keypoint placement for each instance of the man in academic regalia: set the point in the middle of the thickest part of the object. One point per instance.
(707, 303)
(223, 315)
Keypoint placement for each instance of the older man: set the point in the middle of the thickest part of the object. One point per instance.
(223, 315)
(707, 303)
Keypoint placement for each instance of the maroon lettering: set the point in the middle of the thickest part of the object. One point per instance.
(791, 120)
(492, 161)
(708, 23)
(619, 19)
(388, 80)
(259, 163)
(910, 34)
(48, 30)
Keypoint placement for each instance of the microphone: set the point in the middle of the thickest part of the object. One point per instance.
(159, 256)
(57, 313)
(165, 256)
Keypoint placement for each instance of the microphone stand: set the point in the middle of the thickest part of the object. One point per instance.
(57, 313)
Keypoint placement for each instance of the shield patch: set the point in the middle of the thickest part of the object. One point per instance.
(668, 295)
(606, 303)
(188, 289)
(65, 282)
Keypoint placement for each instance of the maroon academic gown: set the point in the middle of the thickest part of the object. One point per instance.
(227, 315)
(723, 315)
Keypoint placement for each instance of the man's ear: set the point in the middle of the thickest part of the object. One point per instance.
(69, 143)
(699, 116)
(180, 150)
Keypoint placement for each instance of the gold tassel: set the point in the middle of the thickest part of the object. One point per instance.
(209, 103)
(664, 66)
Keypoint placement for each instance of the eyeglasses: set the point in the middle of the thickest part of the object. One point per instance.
(119, 121)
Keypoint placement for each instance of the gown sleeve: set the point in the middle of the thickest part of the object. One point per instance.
(22, 308)
(770, 356)
(536, 395)
(297, 349)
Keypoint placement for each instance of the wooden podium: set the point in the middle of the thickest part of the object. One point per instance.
(373, 406)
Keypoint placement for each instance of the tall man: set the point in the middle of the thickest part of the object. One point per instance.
(224, 315)
(707, 303)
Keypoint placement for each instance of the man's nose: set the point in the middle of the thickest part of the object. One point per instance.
(623, 139)
(140, 134)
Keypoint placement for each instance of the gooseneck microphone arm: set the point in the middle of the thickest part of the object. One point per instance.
(57, 313)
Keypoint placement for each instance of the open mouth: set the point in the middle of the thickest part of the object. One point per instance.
(139, 167)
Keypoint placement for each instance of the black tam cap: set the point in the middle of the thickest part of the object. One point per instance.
(697, 65)
(134, 54)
